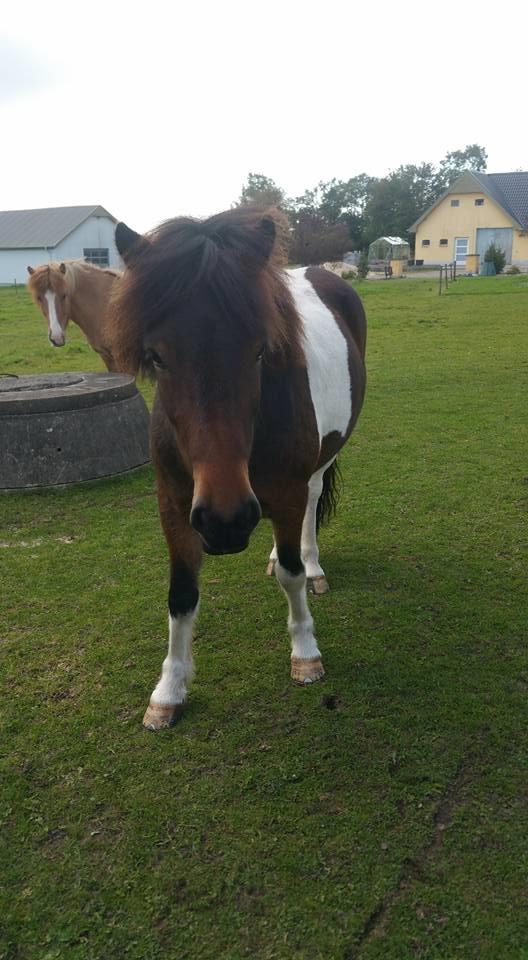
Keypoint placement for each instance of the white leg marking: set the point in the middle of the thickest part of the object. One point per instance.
(177, 669)
(55, 329)
(309, 548)
(300, 623)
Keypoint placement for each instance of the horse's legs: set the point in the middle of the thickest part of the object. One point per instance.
(315, 575)
(168, 696)
(270, 570)
(317, 582)
(306, 664)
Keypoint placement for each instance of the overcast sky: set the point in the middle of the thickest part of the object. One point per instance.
(159, 109)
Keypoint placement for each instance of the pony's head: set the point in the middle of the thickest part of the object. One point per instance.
(50, 287)
(202, 306)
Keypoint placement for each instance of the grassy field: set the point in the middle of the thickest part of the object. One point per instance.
(382, 814)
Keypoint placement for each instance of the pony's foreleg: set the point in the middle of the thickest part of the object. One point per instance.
(169, 694)
(315, 575)
(306, 663)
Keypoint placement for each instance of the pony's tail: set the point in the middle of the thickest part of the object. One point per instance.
(327, 505)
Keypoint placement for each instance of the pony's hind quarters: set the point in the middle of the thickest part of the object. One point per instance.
(307, 671)
(158, 716)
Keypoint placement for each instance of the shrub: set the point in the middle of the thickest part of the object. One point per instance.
(495, 255)
(363, 265)
(512, 270)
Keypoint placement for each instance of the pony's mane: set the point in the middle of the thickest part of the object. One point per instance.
(228, 258)
(40, 279)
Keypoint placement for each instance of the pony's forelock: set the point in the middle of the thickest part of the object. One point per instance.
(229, 258)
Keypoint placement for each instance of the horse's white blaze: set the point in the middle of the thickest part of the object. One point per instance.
(300, 623)
(177, 669)
(55, 329)
(326, 354)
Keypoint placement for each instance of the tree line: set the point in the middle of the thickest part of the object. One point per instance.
(343, 215)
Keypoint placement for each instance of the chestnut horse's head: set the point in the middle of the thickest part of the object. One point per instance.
(50, 289)
(202, 306)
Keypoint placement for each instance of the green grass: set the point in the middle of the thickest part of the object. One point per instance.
(266, 824)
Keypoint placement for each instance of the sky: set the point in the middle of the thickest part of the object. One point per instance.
(159, 109)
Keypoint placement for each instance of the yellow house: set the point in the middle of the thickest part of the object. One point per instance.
(476, 210)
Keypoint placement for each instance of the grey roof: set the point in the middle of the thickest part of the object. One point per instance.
(21, 229)
(509, 190)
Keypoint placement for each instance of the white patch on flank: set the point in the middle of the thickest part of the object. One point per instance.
(56, 331)
(300, 623)
(177, 669)
(326, 352)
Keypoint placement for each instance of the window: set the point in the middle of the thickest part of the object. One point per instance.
(97, 255)
(455, 203)
(443, 243)
(426, 243)
(479, 202)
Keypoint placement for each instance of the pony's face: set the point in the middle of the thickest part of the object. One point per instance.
(48, 287)
(209, 386)
(202, 306)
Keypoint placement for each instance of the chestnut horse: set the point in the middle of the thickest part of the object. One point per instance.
(78, 291)
(260, 380)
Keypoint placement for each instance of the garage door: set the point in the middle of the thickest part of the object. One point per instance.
(502, 237)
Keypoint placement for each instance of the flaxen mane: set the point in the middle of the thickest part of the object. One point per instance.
(233, 259)
(48, 275)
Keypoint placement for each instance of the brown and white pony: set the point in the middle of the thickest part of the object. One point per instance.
(260, 380)
(78, 291)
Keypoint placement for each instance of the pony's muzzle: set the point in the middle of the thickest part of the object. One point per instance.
(57, 341)
(225, 535)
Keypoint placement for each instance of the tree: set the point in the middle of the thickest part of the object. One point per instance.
(472, 157)
(398, 200)
(495, 255)
(261, 191)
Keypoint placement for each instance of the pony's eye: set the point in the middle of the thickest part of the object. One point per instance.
(156, 359)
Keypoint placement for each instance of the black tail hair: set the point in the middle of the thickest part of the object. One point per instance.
(327, 505)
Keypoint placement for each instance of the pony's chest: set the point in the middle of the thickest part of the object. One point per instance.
(326, 351)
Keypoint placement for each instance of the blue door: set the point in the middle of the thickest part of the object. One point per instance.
(502, 237)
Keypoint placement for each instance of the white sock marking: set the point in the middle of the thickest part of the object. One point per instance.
(177, 669)
(300, 623)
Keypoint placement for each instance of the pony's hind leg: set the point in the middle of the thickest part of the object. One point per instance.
(270, 569)
(315, 575)
(169, 694)
(306, 663)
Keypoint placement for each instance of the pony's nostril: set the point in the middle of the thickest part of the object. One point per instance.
(198, 518)
(248, 516)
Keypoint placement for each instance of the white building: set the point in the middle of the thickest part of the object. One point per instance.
(31, 237)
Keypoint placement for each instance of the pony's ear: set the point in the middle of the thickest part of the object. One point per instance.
(129, 243)
(31, 271)
(262, 241)
(62, 268)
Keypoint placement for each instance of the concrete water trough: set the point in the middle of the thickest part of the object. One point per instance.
(64, 428)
